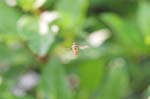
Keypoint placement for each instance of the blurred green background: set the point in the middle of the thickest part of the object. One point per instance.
(36, 61)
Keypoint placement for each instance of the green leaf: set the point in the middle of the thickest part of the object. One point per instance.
(144, 20)
(28, 29)
(147, 93)
(116, 85)
(72, 12)
(8, 19)
(30, 5)
(126, 32)
(26, 5)
(144, 17)
(54, 81)
(91, 75)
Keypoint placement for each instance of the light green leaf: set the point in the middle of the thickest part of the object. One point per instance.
(54, 81)
(126, 32)
(147, 93)
(144, 20)
(144, 17)
(116, 85)
(91, 75)
(8, 19)
(30, 5)
(72, 12)
(28, 29)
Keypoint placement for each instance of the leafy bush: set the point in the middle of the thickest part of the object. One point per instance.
(36, 61)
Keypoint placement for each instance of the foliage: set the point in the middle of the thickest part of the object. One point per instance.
(36, 61)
